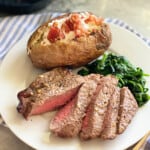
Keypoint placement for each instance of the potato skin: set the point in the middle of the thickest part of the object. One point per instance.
(74, 53)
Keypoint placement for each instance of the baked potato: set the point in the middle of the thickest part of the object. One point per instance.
(73, 39)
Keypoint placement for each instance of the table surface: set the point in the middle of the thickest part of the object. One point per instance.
(135, 12)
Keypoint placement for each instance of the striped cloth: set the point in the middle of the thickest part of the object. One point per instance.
(14, 28)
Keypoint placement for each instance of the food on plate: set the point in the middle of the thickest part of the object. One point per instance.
(127, 74)
(93, 122)
(67, 122)
(73, 39)
(100, 114)
(90, 106)
(128, 108)
(111, 118)
(48, 92)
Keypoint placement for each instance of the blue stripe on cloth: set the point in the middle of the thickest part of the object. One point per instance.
(4, 23)
(13, 22)
(25, 29)
(8, 36)
(18, 33)
(11, 37)
(13, 34)
(43, 17)
(33, 25)
(124, 25)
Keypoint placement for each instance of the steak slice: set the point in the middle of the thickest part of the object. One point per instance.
(49, 91)
(93, 122)
(127, 110)
(67, 122)
(110, 122)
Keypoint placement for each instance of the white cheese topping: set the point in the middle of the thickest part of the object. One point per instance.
(58, 21)
(69, 36)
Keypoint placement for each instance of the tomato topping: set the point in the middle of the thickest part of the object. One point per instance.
(74, 24)
(69, 24)
(75, 18)
(94, 19)
(55, 34)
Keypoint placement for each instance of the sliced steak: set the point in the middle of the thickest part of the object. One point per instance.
(67, 122)
(93, 121)
(127, 110)
(110, 121)
(49, 91)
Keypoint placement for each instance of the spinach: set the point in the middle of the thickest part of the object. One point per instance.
(127, 74)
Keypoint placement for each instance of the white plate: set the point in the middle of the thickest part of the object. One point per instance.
(17, 72)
